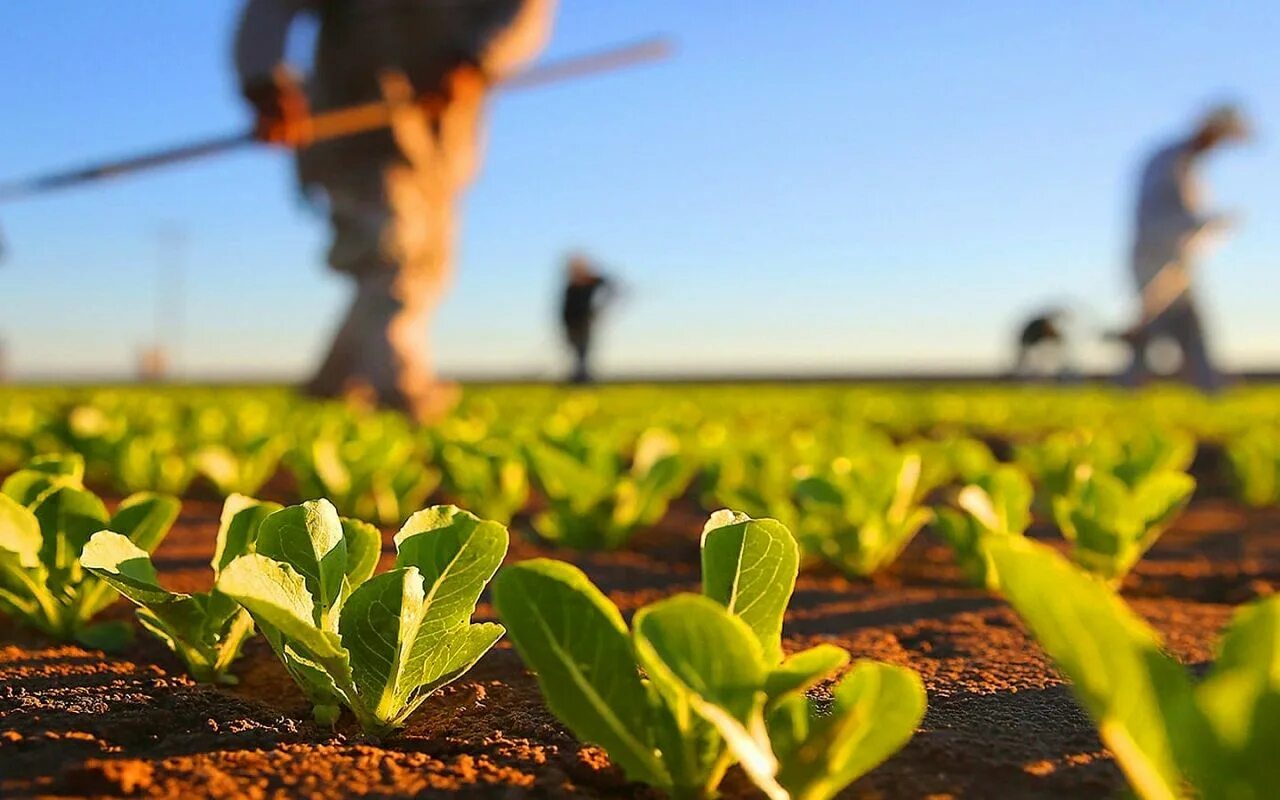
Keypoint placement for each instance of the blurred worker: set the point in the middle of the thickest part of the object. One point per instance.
(1042, 346)
(390, 194)
(1172, 231)
(585, 294)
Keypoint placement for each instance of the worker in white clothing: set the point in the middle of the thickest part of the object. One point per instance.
(1172, 230)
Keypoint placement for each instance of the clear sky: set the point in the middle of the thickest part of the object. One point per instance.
(831, 185)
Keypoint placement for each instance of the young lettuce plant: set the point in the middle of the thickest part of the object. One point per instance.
(371, 469)
(998, 503)
(46, 517)
(1148, 452)
(154, 461)
(377, 645)
(490, 477)
(205, 630)
(593, 505)
(860, 517)
(1255, 466)
(700, 681)
(1218, 738)
(243, 469)
(1111, 525)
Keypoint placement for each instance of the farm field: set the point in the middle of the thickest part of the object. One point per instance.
(1001, 720)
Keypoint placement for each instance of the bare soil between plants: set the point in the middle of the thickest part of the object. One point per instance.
(1001, 722)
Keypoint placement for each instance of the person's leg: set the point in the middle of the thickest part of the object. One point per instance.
(1188, 332)
(1138, 372)
(358, 216)
(1020, 361)
(580, 338)
(394, 232)
(388, 236)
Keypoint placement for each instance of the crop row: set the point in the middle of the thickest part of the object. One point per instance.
(696, 683)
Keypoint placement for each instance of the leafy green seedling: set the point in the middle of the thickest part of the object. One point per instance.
(593, 503)
(860, 518)
(46, 517)
(998, 503)
(1255, 466)
(377, 645)
(1219, 737)
(1148, 452)
(490, 477)
(949, 460)
(699, 682)
(1111, 525)
(154, 461)
(205, 630)
(240, 470)
(371, 469)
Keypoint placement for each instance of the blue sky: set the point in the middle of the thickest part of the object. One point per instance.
(828, 185)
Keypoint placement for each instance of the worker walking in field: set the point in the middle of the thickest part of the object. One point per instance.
(586, 292)
(390, 194)
(1171, 234)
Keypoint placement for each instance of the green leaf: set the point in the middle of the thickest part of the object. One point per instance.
(874, 712)
(1000, 500)
(378, 625)
(1161, 497)
(457, 554)
(1113, 658)
(702, 660)
(564, 477)
(569, 633)
(275, 594)
(119, 561)
(19, 532)
(110, 637)
(750, 567)
(364, 548)
(25, 595)
(127, 568)
(463, 647)
(801, 671)
(308, 537)
(68, 517)
(146, 518)
(1240, 701)
(42, 473)
(238, 528)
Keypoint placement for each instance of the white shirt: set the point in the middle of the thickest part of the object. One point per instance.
(1169, 213)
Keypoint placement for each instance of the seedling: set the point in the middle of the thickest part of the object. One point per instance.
(1111, 525)
(1219, 737)
(715, 688)
(154, 461)
(490, 477)
(1255, 466)
(595, 505)
(240, 470)
(205, 630)
(371, 469)
(860, 517)
(998, 503)
(46, 517)
(378, 645)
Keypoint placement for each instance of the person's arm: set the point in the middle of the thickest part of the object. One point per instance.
(607, 291)
(512, 33)
(266, 81)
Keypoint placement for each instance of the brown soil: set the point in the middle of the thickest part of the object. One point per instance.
(1000, 721)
